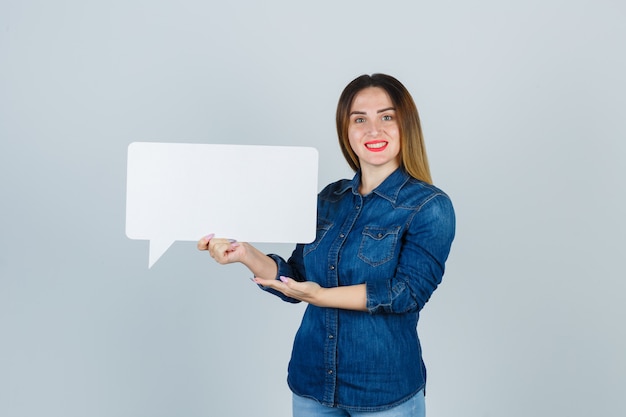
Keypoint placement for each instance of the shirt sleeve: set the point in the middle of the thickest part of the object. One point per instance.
(292, 269)
(425, 248)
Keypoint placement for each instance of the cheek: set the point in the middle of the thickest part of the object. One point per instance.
(353, 145)
(353, 136)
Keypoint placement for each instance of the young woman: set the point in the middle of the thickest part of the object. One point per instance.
(382, 241)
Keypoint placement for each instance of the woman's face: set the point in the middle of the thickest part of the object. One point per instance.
(373, 130)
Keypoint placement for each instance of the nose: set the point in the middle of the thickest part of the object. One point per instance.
(374, 128)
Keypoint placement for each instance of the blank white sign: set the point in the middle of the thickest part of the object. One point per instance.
(181, 191)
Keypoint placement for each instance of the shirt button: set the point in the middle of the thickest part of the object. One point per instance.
(332, 267)
(358, 207)
(330, 372)
(330, 336)
(342, 235)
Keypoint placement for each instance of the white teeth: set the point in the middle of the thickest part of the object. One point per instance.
(376, 145)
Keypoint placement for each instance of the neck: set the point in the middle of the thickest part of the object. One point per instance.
(372, 177)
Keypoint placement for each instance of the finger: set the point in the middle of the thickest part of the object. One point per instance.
(262, 282)
(217, 250)
(203, 244)
(224, 244)
(222, 250)
(271, 283)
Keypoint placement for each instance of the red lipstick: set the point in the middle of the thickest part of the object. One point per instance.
(376, 145)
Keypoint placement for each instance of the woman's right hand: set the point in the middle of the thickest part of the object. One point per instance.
(224, 251)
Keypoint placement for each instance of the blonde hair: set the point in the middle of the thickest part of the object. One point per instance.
(413, 158)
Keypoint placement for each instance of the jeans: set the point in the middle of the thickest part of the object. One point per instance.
(307, 407)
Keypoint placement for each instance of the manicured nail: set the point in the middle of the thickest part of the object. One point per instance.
(232, 240)
(284, 279)
(210, 236)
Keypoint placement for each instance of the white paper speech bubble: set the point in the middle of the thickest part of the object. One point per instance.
(182, 191)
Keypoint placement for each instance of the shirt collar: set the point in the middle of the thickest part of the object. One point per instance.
(388, 189)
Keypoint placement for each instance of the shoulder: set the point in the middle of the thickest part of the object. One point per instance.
(335, 189)
(418, 194)
(432, 210)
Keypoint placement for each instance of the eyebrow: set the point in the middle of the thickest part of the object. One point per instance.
(379, 111)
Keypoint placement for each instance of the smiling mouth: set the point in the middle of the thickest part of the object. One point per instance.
(376, 146)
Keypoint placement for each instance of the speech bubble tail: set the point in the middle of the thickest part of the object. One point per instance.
(157, 249)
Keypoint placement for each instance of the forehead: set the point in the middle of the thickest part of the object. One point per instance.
(375, 97)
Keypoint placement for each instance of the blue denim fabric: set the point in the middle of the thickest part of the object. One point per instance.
(396, 240)
(308, 407)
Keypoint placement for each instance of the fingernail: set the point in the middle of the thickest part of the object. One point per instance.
(283, 279)
(210, 236)
(232, 240)
(234, 245)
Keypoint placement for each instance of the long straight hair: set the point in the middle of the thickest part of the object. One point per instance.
(413, 158)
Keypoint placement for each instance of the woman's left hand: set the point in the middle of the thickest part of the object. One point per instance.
(306, 291)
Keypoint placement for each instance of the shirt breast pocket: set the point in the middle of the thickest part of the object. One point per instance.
(378, 244)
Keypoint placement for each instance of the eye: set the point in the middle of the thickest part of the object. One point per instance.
(359, 120)
(387, 117)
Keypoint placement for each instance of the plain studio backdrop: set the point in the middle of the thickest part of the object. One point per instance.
(523, 108)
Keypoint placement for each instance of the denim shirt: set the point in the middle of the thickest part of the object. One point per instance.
(395, 240)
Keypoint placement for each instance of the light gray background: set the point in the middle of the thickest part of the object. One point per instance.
(523, 109)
